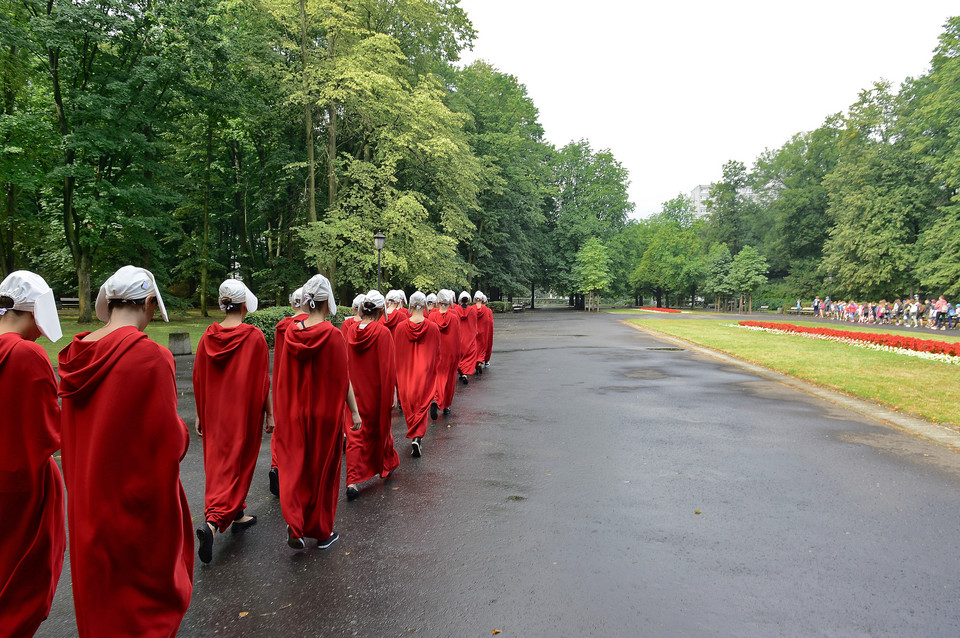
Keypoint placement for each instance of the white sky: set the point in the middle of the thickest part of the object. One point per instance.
(675, 90)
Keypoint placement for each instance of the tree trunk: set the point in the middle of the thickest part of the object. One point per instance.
(83, 277)
(533, 295)
(204, 250)
(6, 232)
(308, 119)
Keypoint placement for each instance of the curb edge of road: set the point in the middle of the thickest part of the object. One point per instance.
(878, 412)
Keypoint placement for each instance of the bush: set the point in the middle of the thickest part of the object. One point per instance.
(267, 320)
(500, 306)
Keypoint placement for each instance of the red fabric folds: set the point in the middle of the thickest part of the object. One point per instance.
(131, 537)
(395, 318)
(468, 339)
(231, 382)
(484, 332)
(311, 390)
(278, 336)
(449, 325)
(418, 349)
(31, 488)
(373, 371)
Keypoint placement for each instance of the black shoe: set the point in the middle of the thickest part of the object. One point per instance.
(330, 541)
(274, 481)
(446, 411)
(415, 445)
(352, 492)
(479, 369)
(463, 379)
(295, 543)
(205, 547)
(433, 411)
(239, 526)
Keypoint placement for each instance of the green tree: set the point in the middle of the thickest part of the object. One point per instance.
(732, 210)
(716, 280)
(748, 271)
(591, 271)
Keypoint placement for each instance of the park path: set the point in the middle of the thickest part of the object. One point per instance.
(597, 481)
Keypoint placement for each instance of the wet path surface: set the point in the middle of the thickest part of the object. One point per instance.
(597, 482)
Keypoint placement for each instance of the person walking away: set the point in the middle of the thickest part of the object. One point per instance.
(313, 383)
(296, 302)
(468, 338)
(418, 350)
(231, 382)
(448, 323)
(373, 373)
(484, 330)
(31, 488)
(131, 535)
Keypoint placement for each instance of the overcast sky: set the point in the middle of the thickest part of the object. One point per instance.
(675, 90)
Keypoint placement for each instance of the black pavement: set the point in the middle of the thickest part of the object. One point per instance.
(597, 481)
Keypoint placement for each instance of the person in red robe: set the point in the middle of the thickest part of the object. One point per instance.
(448, 322)
(231, 383)
(484, 329)
(313, 383)
(31, 487)
(131, 537)
(350, 321)
(296, 302)
(418, 350)
(431, 304)
(468, 338)
(373, 372)
(394, 312)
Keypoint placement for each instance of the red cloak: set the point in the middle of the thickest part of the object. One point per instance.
(395, 318)
(449, 325)
(131, 537)
(418, 349)
(277, 347)
(468, 339)
(312, 383)
(485, 333)
(231, 381)
(31, 488)
(373, 371)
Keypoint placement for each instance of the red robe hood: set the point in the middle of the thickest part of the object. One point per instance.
(222, 342)
(415, 331)
(6, 347)
(362, 339)
(305, 343)
(84, 364)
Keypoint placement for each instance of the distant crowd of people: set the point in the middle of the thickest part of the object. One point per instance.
(935, 314)
(113, 414)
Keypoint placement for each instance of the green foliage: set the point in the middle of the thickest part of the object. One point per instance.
(267, 319)
(500, 306)
(591, 269)
(748, 271)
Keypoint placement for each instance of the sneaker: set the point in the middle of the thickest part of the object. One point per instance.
(330, 541)
(274, 482)
(295, 543)
(433, 411)
(415, 445)
(352, 492)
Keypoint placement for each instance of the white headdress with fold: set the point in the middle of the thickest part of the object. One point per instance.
(128, 284)
(319, 289)
(30, 293)
(238, 293)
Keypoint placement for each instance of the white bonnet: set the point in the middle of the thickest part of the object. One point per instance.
(319, 289)
(129, 284)
(237, 292)
(30, 293)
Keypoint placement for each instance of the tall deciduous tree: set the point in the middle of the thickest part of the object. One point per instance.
(591, 271)
(748, 271)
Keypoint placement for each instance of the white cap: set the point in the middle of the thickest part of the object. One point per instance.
(376, 298)
(357, 302)
(131, 284)
(432, 298)
(464, 295)
(30, 293)
(418, 300)
(237, 292)
(396, 296)
(479, 295)
(445, 297)
(296, 299)
(319, 289)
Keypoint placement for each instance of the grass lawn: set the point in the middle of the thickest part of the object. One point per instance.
(925, 388)
(158, 330)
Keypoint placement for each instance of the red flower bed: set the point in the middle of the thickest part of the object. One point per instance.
(894, 341)
(658, 309)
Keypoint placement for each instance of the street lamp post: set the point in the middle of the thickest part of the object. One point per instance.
(378, 241)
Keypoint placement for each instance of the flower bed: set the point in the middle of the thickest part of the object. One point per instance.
(658, 309)
(939, 350)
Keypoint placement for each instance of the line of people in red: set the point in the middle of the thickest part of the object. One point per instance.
(333, 392)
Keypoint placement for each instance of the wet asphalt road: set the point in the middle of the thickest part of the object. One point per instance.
(593, 483)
